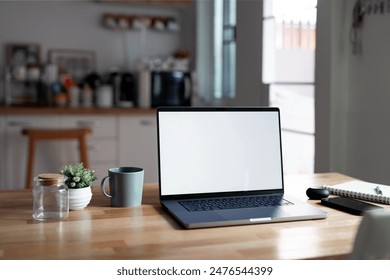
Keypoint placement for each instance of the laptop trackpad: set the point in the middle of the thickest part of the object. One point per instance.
(252, 213)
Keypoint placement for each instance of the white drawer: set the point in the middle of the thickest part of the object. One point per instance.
(98, 150)
(102, 150)
(102, 126)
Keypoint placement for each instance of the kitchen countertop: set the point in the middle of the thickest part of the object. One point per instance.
(74, 111)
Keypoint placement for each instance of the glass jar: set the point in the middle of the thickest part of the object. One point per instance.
(50, 197)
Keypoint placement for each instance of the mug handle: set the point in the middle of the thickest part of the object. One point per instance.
(102, 187)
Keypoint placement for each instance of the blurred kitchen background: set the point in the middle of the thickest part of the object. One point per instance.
(143, 54)
(93, 41)
(322, 62)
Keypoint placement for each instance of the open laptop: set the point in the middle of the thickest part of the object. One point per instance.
(221, 166)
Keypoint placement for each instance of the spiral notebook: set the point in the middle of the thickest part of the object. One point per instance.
(362, 190)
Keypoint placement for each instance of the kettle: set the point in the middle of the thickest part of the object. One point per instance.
(124, 89)
(127, 94)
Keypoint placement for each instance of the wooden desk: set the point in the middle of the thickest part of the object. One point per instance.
(148, 232)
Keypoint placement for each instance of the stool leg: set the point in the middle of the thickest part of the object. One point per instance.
(30, 162)
(83, 151)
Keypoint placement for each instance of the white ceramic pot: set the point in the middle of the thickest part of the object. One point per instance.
(79, 198)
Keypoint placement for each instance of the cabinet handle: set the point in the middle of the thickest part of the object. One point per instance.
(88, 123)
(147, 122)
(94, 148)
(19, 124)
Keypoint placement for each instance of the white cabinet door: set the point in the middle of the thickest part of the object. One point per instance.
(102, 144)
(138, 144)
(116, 141)
(46, 159)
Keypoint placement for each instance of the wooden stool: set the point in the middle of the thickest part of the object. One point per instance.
(34, 135)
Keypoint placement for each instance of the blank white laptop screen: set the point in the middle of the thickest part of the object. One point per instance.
(212, 152)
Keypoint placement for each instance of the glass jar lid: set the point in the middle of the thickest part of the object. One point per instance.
(48, 179)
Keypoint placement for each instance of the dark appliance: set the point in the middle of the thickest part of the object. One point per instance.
(171, 88)
(128, 95)
(124, 87)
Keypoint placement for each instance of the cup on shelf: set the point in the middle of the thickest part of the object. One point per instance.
(33, 73)
(158, 23)
(124, 22)
(141, 23)
(110, 21)
(172, 25)
(60, 99)
(51, 73)
(104, 96)
(74, 96)
(19, 72)
(87, 96)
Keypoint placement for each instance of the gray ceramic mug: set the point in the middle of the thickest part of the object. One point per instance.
(126, 186)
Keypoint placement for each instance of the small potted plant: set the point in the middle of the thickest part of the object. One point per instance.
(79, 181)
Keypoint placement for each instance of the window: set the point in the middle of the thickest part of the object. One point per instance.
(288, 68)
(216, 45)
(225, 48)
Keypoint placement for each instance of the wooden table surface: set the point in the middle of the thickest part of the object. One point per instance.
(148, 232)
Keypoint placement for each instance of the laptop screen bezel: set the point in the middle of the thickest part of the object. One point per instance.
(217, 109)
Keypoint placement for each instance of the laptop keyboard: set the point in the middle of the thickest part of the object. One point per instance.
(234, 203)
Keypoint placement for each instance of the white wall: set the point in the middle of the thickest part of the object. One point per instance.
(249, 88)
(77, 25)
(352, 94)
(330, 77)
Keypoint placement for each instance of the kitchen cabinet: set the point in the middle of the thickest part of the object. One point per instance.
(118, 139)
(102, 144)
(138, 144)
(15, 154)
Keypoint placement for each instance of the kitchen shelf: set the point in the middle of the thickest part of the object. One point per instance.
(139, 22)
(20, 110)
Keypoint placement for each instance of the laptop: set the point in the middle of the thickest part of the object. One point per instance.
(222, 166)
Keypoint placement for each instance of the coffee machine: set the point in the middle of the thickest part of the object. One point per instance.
(164, 88)
(124, 88)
